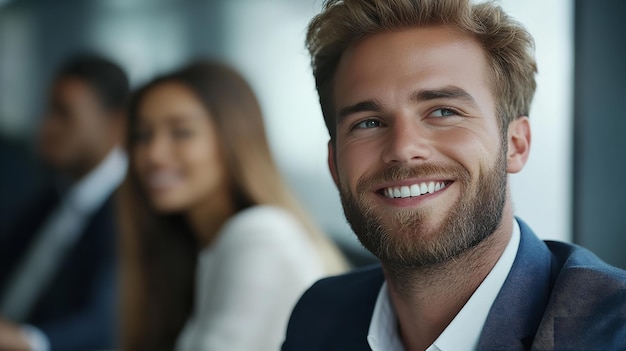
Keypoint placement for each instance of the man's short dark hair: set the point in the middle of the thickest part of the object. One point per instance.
(108, 79)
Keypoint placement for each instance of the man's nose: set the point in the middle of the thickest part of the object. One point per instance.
(407, 142)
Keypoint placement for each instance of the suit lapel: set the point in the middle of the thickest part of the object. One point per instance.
(517, 311)
(354, 336)
(17, 237)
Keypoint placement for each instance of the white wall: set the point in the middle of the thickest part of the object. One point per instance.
(542, 191)
(267, 44)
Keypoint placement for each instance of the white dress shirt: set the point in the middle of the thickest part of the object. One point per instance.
(463, 333)
(248, 282)
(57, 236)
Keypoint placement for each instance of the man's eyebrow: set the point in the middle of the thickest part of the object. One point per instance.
(449, 92)
(363, 106)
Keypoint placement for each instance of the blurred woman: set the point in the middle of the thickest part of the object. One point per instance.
(215, 249)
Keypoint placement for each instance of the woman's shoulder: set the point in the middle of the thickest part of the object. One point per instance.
(262, 217)
(263, 223)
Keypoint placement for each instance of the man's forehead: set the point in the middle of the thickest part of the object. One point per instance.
(434, 57)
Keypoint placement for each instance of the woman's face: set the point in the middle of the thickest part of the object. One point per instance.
(176, 151)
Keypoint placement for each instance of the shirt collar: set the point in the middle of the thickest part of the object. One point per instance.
(465, 328)
(383, 331)
(92, 190)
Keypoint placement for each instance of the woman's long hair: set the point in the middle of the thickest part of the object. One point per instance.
(159, 251)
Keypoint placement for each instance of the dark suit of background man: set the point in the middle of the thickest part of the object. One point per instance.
(58, 261)
(426, 102)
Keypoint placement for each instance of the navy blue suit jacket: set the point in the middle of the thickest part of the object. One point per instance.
(77, 311)
(557, 296)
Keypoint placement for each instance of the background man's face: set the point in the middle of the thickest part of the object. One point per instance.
(419, 158)
(76, 130)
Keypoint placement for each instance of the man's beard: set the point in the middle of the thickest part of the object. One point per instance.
(404, 241)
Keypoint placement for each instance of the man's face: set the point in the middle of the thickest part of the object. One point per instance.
(419, 157)
(76, 130)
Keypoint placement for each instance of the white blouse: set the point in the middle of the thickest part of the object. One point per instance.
(248, 281)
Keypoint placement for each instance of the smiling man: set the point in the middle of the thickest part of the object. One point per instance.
(426, 103)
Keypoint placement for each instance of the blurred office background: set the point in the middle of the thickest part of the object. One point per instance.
(570, 190)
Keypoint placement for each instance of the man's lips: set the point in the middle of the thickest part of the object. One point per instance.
(409, 189)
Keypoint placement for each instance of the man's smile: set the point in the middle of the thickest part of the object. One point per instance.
(413, 190)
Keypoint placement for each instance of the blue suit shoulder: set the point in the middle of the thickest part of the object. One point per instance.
(578, 269)
(587, 305)
(571, 257)
(334, 314)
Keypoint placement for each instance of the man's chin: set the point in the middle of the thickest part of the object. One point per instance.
(411, 223)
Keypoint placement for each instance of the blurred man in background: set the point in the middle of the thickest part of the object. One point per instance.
(58, 259)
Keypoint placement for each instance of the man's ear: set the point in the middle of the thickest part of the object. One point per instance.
(332, 165)
(518, 144)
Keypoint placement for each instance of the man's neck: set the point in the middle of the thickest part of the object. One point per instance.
(427, 300)
(80, 170)
(68, 177)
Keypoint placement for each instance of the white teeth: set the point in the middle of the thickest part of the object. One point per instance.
(396, 192)
(413, 190)
(405, 191)
(424, 188)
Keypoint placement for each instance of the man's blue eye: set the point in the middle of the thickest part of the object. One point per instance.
(443, 112)
(370, 123)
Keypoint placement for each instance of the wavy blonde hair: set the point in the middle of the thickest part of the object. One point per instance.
(508, 46)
